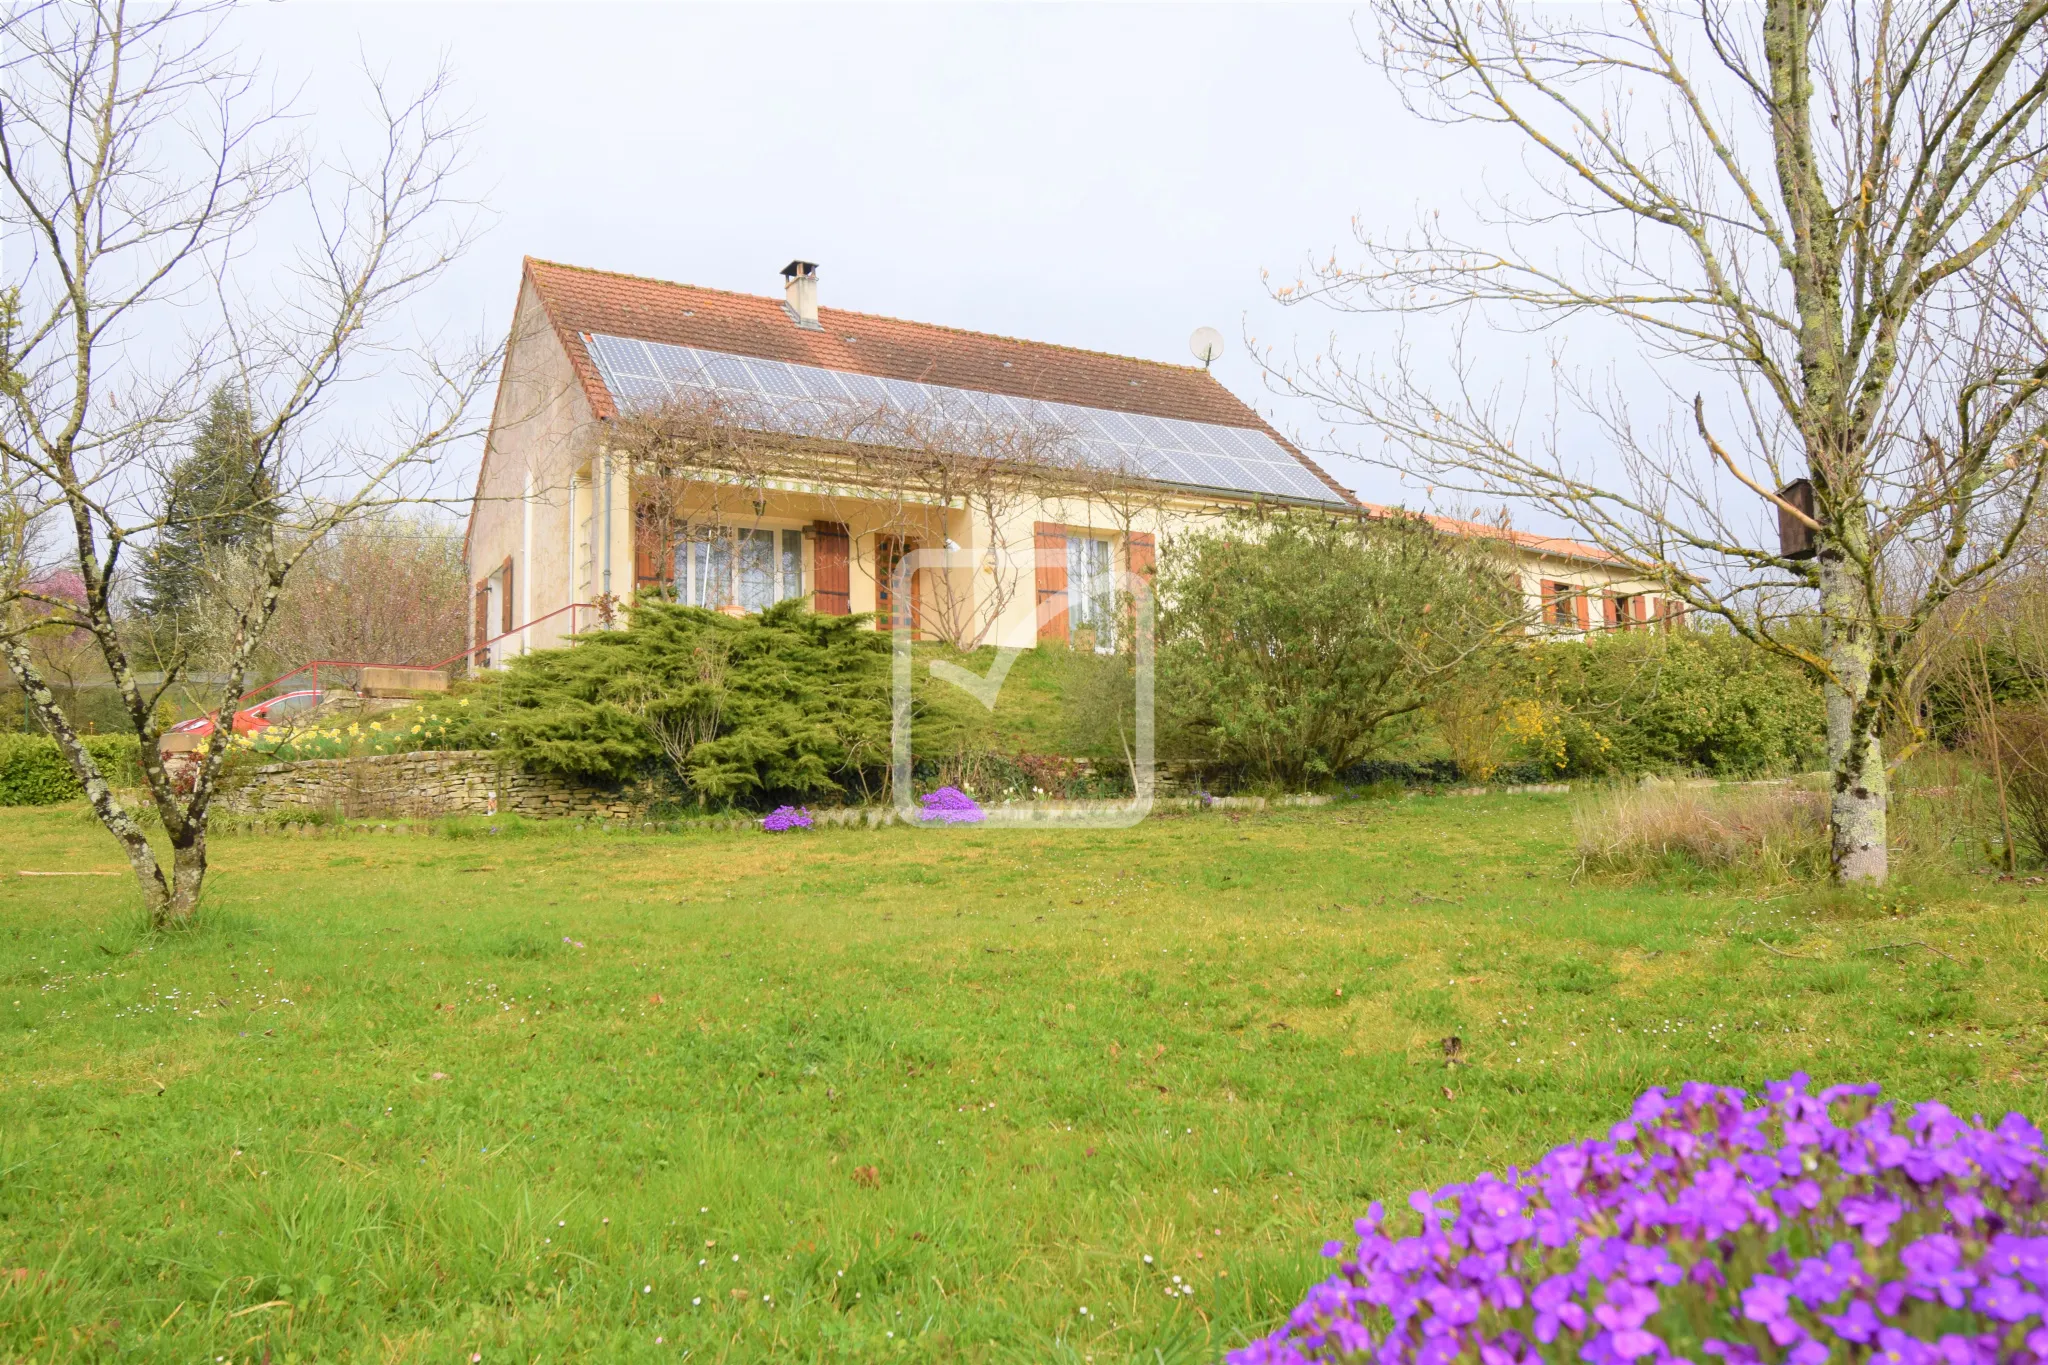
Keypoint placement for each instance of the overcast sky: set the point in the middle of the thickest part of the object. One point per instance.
(1108, 177)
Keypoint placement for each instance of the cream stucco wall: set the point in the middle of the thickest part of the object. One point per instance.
(537, 501)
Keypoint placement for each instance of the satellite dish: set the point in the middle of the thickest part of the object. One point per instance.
(1207, 344)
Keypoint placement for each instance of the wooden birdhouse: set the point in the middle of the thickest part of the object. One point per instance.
(1795, 537)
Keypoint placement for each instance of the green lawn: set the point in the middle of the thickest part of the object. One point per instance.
(555, 1095)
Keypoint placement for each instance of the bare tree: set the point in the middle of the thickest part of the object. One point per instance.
(138, 162)
(1825, 216)
(387, 587)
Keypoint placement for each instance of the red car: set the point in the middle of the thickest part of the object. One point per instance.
(261, 716)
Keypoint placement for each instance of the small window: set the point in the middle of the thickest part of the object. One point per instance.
(757, 570)
(1564, 605)
(792, 584)
(1091, 589)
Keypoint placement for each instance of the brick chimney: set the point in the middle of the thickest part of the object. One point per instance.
(800, 294)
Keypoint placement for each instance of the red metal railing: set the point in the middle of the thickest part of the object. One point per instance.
(483, 647)
(475, 651)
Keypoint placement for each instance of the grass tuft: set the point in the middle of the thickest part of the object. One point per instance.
(1768, 832)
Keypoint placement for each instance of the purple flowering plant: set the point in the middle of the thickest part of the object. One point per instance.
(785, 818)
(1808, 1228)
(949, 806)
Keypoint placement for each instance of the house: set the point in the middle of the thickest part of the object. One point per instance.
(1571, 588)
(736, 450)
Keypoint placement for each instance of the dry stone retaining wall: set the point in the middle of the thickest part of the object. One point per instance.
(422, 784)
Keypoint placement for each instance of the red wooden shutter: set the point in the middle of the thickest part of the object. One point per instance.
(1673, 614)
(1583, 601)
(831, 573)
(1049, 542)
(505, 608)
(1610, 608)
(648, 569)
(1142, 552)
(1546, 592)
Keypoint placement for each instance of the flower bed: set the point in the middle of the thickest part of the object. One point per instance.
(388, 732)
(1805, 1229)
(783, 819)
(949, 806)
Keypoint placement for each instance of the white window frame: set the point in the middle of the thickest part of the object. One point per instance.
(786, 560)
(1091, 588)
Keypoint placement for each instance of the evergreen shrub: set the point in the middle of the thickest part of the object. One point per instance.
(1696, 701)
(33, 771)
(786, 704)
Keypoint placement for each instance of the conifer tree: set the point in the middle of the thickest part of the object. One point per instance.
(218, 498)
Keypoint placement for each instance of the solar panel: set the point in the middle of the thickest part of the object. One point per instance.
(675, 365)
(865, 388)
(906, 395)
(807, 400)
(776, 378)
(1192, 437)
(819, 383)
(1103, 454)
(1200, 469)
(728, 373)
(1235, 443)
(1117, 428)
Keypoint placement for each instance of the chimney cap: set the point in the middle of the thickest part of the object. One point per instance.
(797, 270)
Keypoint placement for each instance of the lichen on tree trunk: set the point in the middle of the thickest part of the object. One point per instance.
(1858, 794)
(168, 902)
(188, 876)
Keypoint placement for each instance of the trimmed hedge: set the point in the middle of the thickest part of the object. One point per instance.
(34, 773)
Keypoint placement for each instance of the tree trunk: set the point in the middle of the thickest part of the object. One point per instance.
(161, 900)
(188, 875)
(1859, 852)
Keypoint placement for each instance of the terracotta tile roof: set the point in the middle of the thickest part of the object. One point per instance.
(1555, 546)
(578, 300)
